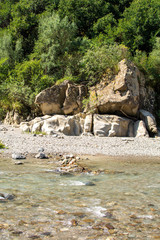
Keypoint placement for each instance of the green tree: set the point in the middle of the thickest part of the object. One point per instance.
(83, 12)
(56, 44)
(140, 25)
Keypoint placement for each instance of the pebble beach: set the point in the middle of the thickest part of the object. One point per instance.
(27, 143)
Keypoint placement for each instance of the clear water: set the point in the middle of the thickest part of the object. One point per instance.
(122, 203)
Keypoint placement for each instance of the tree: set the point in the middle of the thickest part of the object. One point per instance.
(140, 25)
(84, 12)
(57, 41)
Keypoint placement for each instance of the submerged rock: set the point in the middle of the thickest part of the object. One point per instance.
(89, 184)
(6, 196)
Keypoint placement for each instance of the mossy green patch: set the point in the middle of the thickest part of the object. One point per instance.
(2, 145)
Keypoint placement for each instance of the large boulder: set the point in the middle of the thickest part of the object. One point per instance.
(122, 94)
(110, 126)
(65, 98)
(67, 125)
(149, 120)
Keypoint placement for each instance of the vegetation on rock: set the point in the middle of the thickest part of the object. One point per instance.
(44, 42)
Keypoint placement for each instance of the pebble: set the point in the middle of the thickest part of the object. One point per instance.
(6, 196)
(41, 155)
(18, 156)
(89, 184)
(18, 163)
(41, 149)
(74, 222)
(79, 145)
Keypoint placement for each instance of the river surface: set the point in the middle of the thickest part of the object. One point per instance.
(121, 203)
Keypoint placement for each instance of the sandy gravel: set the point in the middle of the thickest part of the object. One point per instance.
(18, 142)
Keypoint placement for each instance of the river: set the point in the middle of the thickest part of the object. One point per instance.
(121, 202)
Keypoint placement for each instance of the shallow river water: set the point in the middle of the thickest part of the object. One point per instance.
(121, 203)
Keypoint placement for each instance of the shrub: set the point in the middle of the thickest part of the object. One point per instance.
(99, 60)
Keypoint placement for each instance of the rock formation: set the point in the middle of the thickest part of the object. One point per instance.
(118, 107)
(96, 124)
(124, 94)
(110, 126)
(65, 98)
(149, 120)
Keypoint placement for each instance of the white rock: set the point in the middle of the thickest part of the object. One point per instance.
(24, 126)
(140, 129)
(110, 125)
(149, 120)
(88, 123)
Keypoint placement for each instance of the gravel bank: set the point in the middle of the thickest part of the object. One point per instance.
(16, 141)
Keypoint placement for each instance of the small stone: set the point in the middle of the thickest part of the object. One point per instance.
(18, 163)
(41, 155)
(108, 215)
(72, 161)
(2, 198)
(89, 184)
(6, 196)
(109, 226)
(17, 232)
(55, 135)
(18, 156)
(60, 212)
(68, 156)
(41, 149)
(74, 222)
(47, 234)
(3, 129)
(64, 229)
(3, 226)
(34, 237)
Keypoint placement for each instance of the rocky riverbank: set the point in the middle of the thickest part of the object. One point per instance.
(28, 143)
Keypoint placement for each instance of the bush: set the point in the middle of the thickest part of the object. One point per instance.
(99, 60)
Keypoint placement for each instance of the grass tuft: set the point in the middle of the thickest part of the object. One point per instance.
(2, 145)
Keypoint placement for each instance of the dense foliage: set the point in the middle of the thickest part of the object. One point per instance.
(46, 41)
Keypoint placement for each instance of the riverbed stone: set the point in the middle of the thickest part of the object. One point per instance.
(18, 156)
(6, 196)
(41, 155)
